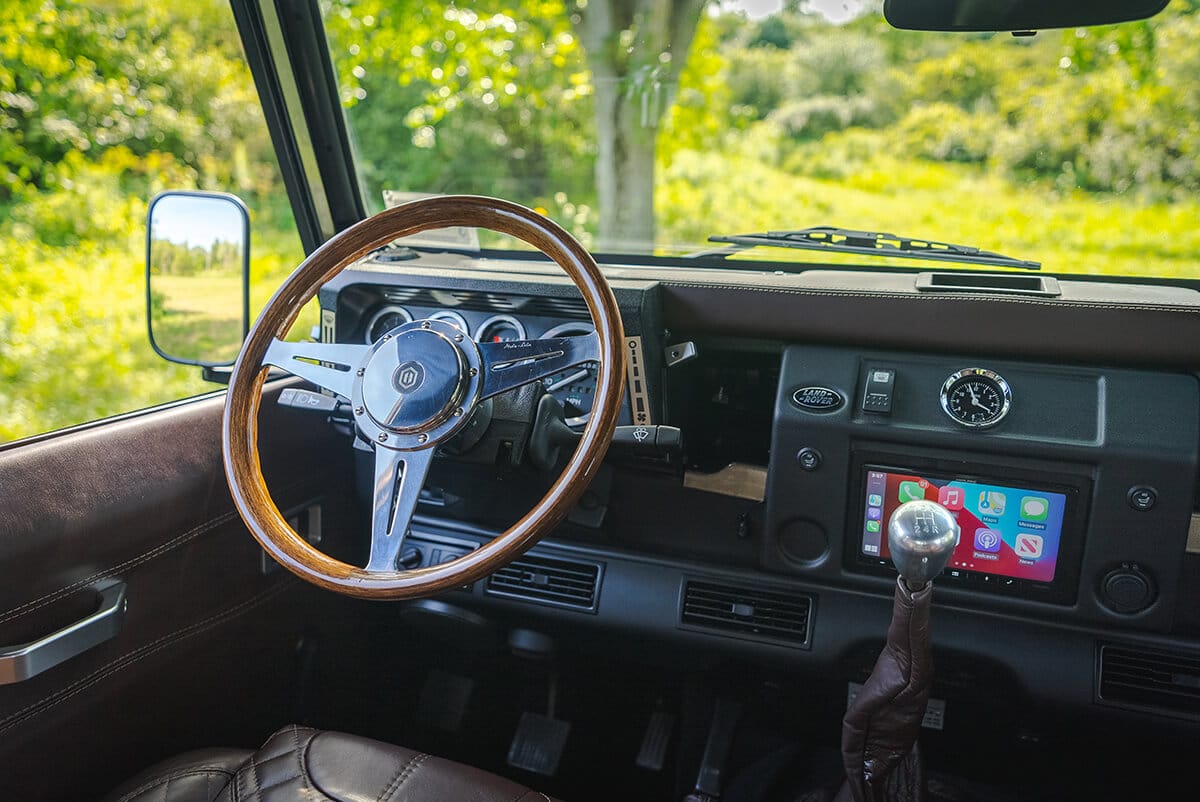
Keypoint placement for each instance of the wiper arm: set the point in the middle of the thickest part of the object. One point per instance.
(844, 240)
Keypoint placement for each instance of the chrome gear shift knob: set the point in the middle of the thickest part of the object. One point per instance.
(921, 536)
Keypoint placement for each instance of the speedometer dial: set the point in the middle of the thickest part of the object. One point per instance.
(976, 398)
(575, 387)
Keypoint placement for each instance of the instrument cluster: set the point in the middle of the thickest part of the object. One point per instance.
(575, 388)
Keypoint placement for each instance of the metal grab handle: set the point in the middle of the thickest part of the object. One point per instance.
(18, 663)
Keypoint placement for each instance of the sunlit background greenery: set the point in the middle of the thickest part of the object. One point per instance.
(1080, 149)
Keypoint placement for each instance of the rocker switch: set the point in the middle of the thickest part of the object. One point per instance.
(880, 389)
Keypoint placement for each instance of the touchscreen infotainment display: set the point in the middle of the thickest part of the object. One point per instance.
(1005, 531)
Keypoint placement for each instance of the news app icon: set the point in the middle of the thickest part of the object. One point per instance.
(1029, 547)
(987, 540)
(951, 498)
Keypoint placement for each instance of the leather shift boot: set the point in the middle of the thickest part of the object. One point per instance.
(879, 731)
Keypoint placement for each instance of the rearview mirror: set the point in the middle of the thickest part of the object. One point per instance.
(1014, 15)
(197, 277)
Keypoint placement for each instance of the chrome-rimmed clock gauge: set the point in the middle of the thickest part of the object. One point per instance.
(976, 398)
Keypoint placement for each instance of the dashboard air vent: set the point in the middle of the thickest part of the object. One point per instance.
(1161, 681)
(548, 580)
(744, 612)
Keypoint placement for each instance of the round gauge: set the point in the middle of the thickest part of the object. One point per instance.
(454, 319)
(574, 387)
(501, 329)
(384, 320)
(976, 398)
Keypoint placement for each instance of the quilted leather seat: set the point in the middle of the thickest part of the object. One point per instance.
(298, 763)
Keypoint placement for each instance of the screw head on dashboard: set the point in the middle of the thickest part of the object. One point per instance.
(358, 410)
(458, 338)
(383, 437)
(458, 412)
(360, 372)
(473, 372)
(421, 438)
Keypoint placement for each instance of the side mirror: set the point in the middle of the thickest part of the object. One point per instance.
(197, 277)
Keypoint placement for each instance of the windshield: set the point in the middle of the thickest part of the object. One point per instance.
(647, 127)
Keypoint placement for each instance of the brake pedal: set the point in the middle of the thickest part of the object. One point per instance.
(538, 743)
(653, 754)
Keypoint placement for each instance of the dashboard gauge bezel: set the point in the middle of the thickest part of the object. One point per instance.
(494, 319)
(569, 329)
(991, 376)
(454, 319)
(379, 313)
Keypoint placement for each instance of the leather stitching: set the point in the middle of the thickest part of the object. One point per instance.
(963, 298)
(403, 777)
(129, 659)
(134, 562)
(193, 771)
(28, 607)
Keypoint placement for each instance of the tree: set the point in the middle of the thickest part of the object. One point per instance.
(636, 50)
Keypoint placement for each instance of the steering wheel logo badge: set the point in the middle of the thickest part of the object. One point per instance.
(409, 376)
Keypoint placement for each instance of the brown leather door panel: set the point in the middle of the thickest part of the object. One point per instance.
(206, 653)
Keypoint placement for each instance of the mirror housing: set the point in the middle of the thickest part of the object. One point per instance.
(1014, 15)
(197, 277)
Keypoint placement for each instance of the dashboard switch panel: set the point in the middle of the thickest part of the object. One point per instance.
(880, 390)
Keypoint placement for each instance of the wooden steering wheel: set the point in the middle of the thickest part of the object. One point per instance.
(412, 390)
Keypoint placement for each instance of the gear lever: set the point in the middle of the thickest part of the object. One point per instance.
(921, 536)
(879, 732)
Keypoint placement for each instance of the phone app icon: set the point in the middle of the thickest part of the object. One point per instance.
(992, 503)
(874, 513)
(987, 540)
(951, 498)
(1034, 508)
(875, 500)
(1029, 547)
(872, 526)
(911, 491)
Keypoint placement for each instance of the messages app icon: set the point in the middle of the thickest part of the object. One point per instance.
(1034, 508)
(911, 491)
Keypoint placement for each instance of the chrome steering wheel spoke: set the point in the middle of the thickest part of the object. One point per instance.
(331, 366)
(509, 365)
(399, 476)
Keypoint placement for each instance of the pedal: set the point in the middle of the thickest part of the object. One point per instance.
(537, 745)
(653, 754)
(443, 701)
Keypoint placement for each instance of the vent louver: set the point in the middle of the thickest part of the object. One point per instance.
(548, 580)
(1168, 683)
(750, 613)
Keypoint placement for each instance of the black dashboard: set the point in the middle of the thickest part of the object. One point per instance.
(1072, 468)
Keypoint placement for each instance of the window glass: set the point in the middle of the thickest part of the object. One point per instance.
(103, 104)
(646, 127)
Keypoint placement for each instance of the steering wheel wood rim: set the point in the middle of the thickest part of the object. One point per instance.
(243, 470)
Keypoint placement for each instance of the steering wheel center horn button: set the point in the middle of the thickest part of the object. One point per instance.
(415, 383)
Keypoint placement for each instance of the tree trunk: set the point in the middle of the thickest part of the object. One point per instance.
(631, 84)
(624, 171)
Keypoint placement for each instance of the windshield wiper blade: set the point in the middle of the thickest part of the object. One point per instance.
(871, 243)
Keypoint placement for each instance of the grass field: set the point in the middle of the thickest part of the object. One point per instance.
(73, 344)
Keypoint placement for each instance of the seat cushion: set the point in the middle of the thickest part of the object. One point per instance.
(201, 774)
(298, 763)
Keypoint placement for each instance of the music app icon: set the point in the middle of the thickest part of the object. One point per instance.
(951, 498)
